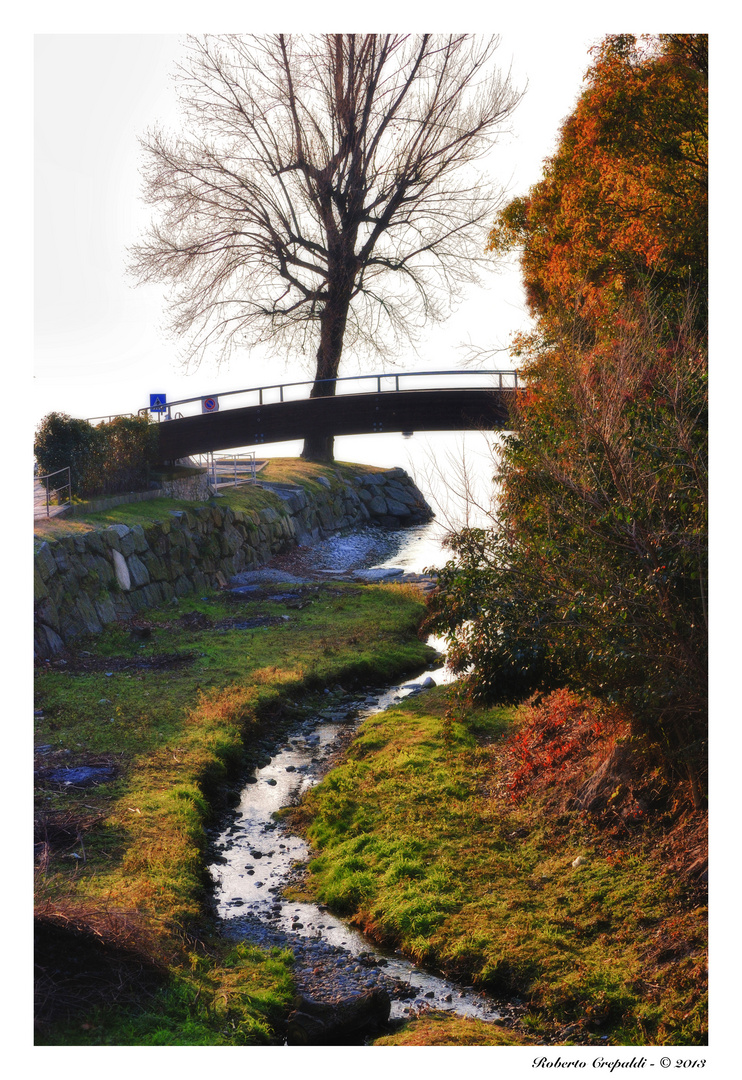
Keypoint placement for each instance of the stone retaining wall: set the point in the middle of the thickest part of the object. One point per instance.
(83, 582)
(185, 487)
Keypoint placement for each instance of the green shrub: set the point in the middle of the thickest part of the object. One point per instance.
(103, 460)
(64, 442)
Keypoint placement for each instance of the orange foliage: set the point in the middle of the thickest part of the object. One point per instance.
(623, 201)
(556, 730)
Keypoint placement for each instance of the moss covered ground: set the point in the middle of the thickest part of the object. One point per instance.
(127, 954)
(246, 496)
(438, 835)
(425, 841)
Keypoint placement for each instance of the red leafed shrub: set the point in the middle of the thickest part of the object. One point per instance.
(556, 729)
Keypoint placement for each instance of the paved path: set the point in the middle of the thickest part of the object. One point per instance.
(39, 502)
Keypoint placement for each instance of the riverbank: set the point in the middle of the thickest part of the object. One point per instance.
(257, 862)
(142, 731)
(575, 885)
(118, 562)
(419, 840)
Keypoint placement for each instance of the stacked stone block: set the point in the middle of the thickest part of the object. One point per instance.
(82, 583)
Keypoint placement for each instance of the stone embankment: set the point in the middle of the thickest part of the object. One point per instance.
(84, 582)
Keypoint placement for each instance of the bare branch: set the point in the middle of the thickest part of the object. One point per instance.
(320, 176)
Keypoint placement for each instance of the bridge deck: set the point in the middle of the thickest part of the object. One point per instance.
(347, 414)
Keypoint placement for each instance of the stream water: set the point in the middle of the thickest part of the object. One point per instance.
(256, 856)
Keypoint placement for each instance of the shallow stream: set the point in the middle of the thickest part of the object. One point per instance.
(256, 857)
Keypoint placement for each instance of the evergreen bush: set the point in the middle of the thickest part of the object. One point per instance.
(104, 460)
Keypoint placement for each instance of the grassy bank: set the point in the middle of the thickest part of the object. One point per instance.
(245, 497)
(449, 835)
(170, 707)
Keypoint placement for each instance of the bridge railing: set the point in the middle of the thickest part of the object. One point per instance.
(490, 379)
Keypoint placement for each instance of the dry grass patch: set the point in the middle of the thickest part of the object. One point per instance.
(445, 1029)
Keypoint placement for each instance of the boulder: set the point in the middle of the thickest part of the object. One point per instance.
(122, 570)
(137, 571)
(45, 561)
(378, 573)
(397, 509)
(321, 1022)
(377, 505)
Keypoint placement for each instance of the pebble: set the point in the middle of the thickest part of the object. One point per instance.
(321, 970)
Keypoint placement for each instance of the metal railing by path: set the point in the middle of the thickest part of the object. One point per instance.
(228, 471)
(492, 379)
(108, 419)
(47, 498)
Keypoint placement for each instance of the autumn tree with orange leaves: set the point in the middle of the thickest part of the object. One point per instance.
(622, 206)
(595, 575)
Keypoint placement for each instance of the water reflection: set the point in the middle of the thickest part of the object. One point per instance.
(257, 858)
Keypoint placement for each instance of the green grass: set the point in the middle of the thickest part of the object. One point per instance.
(237, 998)
(417, 839)
(247, 497)
(175, 737)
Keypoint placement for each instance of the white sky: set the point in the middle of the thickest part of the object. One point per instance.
(98, 345)
(97, 349)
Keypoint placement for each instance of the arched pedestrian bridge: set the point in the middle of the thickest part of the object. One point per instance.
(362, 405)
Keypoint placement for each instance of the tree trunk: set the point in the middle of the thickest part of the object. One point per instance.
(332, 328)
(319, 448)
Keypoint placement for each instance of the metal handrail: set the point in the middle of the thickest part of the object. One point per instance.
(248, 460)
(47, 476)
(217, 467)
(260, 390)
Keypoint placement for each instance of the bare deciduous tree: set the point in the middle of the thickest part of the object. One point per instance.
(323, 192)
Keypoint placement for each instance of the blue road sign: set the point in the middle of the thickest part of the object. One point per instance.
(209, 404)
(158, 403)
